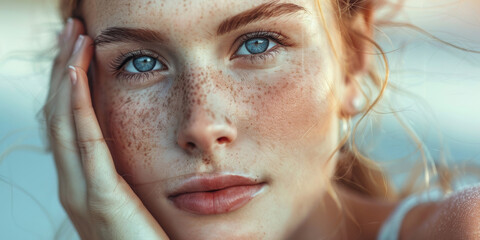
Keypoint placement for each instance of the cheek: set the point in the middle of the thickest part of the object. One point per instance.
(296, 118)
(294, 114)
(296, 107)
(135, 125)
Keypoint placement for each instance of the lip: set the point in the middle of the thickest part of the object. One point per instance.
(217, 194)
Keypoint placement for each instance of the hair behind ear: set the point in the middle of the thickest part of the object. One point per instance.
(356, 23)
(350, 7)
(363, 177)
(357, 172)
(356, 29)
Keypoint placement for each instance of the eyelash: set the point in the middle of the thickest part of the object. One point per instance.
(262, 57)
(118, 63)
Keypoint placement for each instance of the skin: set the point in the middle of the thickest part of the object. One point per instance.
(98, 201)
(276, 115)
(131, 140)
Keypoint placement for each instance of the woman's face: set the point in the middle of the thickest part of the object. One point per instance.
(189, 93)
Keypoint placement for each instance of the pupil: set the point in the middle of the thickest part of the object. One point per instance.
(257, 45)
(144, 64)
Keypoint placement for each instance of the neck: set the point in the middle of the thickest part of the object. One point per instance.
(357, 217)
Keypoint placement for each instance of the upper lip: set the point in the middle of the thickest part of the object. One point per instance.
(204, 183)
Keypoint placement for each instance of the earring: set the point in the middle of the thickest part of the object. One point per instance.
(358, 104)
(344, 129)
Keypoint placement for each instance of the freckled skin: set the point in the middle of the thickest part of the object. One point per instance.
(283, 118)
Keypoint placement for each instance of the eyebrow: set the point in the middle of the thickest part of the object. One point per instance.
(122, 34)
(261, 12)
(264, 11)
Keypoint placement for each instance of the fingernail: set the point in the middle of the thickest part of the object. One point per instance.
(73, 74)
(78, 44)
(67, 32)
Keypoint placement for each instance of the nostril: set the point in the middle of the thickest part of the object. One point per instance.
(222, 140)
(190, 145)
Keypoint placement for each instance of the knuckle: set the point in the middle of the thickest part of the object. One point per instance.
(78, 110)
(89, 150)
(47, 112)
(47, 109)
(51, 103)
(58, 62)
(83, 115)
(89, 145)
(59, 135)
(57, 127)
(59, 66)
(104, 205)
(102, 195)
(71, 204)
(100, 211)
(62, 57)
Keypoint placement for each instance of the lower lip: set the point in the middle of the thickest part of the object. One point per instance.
(216, 202)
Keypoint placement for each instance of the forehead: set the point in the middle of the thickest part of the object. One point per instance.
(171, 15)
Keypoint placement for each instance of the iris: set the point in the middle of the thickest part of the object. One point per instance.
(144, 63)
(257, 45)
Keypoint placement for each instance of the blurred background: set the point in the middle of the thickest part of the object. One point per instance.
(444, 108)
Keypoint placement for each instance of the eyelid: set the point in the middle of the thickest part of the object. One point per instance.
(118, 65)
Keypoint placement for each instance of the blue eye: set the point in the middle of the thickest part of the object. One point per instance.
(255, 46)
(143, 64)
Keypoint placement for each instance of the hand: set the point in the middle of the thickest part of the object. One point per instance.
(99, 202)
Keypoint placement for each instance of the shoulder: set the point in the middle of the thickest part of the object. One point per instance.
(456, 217)
(459, 216)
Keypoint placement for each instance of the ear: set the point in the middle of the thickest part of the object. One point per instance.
(358, 25)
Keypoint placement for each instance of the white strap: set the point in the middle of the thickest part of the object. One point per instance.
(391, 228)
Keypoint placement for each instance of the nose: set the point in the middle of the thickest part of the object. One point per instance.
(204, 124)
(201, 133)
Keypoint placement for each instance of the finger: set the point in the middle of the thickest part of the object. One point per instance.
(82, 53)
(73, 28)
(72, 183)
(64, 129)
(96, 159)
(60, 121)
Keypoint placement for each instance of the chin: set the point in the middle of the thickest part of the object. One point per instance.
(221, 230)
